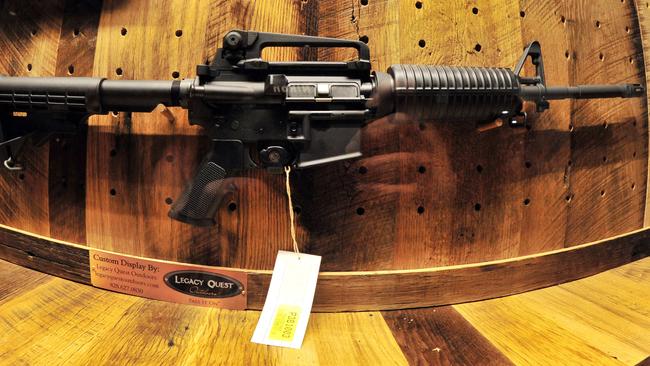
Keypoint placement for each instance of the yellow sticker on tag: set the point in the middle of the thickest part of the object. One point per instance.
(285, 322)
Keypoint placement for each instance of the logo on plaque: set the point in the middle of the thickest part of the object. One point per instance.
(203, 284)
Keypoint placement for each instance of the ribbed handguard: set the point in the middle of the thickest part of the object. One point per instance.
(451, 93)
(202, 197)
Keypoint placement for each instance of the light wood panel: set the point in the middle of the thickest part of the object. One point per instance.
(65, 323)
(602, 319)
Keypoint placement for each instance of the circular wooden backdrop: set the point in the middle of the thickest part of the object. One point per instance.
(423, 195)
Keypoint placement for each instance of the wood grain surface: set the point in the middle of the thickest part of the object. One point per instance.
(378, 290)
(423, 195)
(441, 336)
(600, 320)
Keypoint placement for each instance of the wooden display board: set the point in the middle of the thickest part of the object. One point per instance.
(424, 195)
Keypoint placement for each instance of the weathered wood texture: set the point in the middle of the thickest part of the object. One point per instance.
(423, 195)
(379, 290)
(601, 320)
(440, 336)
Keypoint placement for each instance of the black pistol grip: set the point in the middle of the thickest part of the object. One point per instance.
(202, 197)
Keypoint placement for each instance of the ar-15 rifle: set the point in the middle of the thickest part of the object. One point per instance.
(277, 114)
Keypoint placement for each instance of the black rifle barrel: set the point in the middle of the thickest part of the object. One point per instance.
(538, 92)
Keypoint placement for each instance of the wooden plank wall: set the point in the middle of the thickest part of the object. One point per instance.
(423, 195)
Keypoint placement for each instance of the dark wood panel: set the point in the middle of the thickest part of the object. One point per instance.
(608, 139)
(379, 290)
(67, 162)
(29, 36)
(17, 280)
(441, 336)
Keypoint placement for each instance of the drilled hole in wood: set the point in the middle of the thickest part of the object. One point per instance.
(364, 2)
(363, 170)
(604, 159)
(568, 198)
(360, 211)
(522, 13)
(29, 67)
(176, 74)
(420, 210)
(567, 54)
(364, 39)
(601, 57)
(169, 158)
(115, 114)
(169, 200)
(602, 193)
(21, 176)
(113, 192)
(123, 31)
(570, 126)
(568, 163)
(113, 152)
(422, 169)
(477, 207)
(178, 33)
(479, 168)
(232, 206)
(597, 23)
(526, 201)
(633, 186)
(297, 210)
(422, 126)
(119, 71)
(631, 60)
(563, 19)
(33, 32)
(478, 47)
(422, 43)
(528, 164)
(474, 10)
(627, 29)
(76, 32)
(70, 69)
(634, 154)
(605, 125)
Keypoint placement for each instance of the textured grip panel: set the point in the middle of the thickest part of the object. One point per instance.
(450, 93)
(202, 197)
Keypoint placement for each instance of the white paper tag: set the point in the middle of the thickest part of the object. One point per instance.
(286, 311)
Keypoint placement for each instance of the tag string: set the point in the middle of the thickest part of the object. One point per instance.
(287, 171)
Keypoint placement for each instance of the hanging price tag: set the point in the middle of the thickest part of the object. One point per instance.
(285, 315)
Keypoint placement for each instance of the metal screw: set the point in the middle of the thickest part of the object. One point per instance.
(274, 156)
